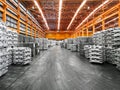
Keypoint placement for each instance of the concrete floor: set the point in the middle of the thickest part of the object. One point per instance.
(60, 69)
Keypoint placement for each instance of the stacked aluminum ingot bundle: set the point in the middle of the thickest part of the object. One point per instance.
(109, 37)
(116, 38)
(99, 38)
(69, 43)
(3, 36)
(10, 55)
(87, 50)
(3, 50)
(73, 47)
(12, 37)
(117, 58)
(97, 54)
(110, 55)
(3, 61)
(82, 42)
(45, 44)
(21, 55)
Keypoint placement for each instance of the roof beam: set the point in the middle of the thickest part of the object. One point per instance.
(40, 10)
(77, 11)
(96, 9)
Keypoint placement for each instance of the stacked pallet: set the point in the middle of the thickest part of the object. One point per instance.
(87, 50)
(42, 43)
(10, 55)
(73, 47)
(110, 55)
(117, 58)
(97, 54)
(3, 61)
(82, 42)
(21, 55)
(109, 37)
(12, 37)
(69, 43)
(99, 38)
(116, 38)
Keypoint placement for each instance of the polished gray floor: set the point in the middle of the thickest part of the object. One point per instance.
(60, 69)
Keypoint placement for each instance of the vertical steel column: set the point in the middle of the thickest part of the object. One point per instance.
(26, 24)
(87, 31)
(93, 28)
(4, 12)
(103, 23)
(119, 16)
(18, 16)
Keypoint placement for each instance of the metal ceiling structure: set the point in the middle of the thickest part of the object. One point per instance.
(50, 10)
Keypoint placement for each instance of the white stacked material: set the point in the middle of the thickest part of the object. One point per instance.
(110, 55)
(3, 36)
(12, 37)
(45, 43)
(99, 38)
(39, 41)
(69, 46)
(116, 37)
(109, 37)
(3, 61)
(73, 47)
(82, 42)
(10, 55)
(69, 43)
(117, 58)
(97, 54)
(87, 50)
(21, 55)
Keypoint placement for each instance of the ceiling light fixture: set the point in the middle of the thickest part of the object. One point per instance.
(80, 7)
(40, 10)
(106, 1)
(59, 17)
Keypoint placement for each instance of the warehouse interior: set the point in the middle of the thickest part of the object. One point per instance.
(59, 44)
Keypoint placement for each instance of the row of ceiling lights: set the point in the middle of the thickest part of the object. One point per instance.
(79, 8)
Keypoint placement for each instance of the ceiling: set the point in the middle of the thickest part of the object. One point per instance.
(50, 9)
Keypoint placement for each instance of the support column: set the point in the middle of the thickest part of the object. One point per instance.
(4, 12)
(119, 17)
(93, 28)
(82, 32)
(26, 25)
(87, 31)
(18, 21)
(103, 23)
(35, 32)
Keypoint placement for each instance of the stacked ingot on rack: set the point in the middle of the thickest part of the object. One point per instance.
(3, 50)
(45, 43)
(116, 38)
(82, 42)
(97, 54)
(12, 37)
(99, 38)
(99, 43)
(110, 55)
(74, 45)
(69, 43)
(109, 37)
(112, 43)
(87, 50)
(21, 55)
(117, 58)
